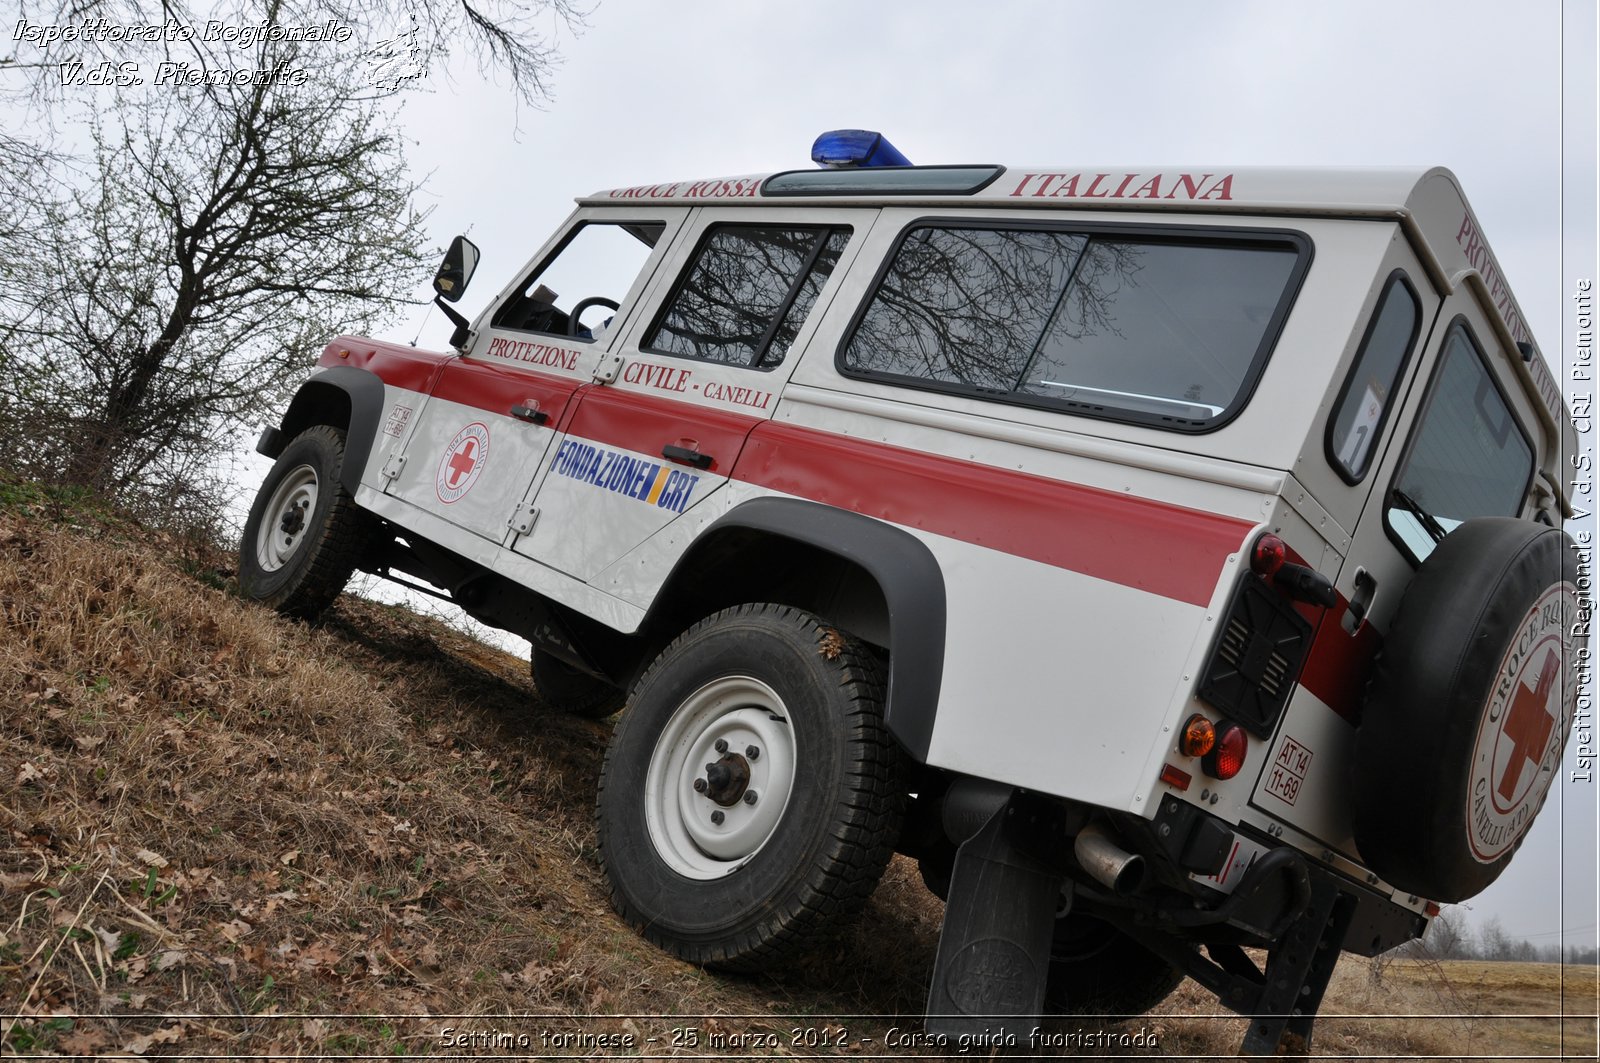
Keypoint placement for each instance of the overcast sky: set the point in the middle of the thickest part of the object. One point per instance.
(656, 91)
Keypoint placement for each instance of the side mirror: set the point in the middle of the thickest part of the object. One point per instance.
(456, 270)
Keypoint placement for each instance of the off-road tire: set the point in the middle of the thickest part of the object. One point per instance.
(1095, 969)
(563, 687)
(839, 820)
(1493, 604)
(300, 574)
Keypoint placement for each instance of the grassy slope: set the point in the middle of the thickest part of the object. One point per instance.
(225, 833)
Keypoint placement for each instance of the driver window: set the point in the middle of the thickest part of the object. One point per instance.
(576, 291)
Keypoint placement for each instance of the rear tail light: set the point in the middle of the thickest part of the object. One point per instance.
(1199, 735)
(1268, 555)
(1226, 757)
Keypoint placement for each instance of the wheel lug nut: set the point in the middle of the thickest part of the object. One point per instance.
(752, 753)
(717, 817)
(722, 745)
(699, 786)
(749, 797)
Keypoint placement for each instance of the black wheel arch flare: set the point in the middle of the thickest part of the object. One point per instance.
(342, 396)
(908, 575)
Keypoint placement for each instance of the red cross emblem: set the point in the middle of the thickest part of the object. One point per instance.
(1529, 723)
(462, 462)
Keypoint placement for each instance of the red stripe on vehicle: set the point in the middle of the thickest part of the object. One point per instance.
(1151, 546)
(496, 388)
(1340, 664)
(399, 367)
(644, 424)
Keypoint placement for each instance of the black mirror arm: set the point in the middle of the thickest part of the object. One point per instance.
(458, 338)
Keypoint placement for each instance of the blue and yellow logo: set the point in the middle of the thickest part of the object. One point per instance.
(636, 478)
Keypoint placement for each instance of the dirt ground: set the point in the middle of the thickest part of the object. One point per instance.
(227, 835)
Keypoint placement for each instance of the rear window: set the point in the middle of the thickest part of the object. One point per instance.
(1162, 328)
(1468, 456)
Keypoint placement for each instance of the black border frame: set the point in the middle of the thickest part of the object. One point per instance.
(1395, 398)
(1458, 322)
(1302, 244)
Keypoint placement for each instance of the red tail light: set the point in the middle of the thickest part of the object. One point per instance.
(1227, 757)
(1268, 555)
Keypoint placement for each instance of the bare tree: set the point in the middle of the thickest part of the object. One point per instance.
(1448, 937)
(172, 255)
(221, 234)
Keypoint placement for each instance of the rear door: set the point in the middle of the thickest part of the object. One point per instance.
(701, 364)
(1450, 440)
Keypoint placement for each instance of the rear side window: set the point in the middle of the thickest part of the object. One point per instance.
(1364, 404)
(746, 294)
(1159, 328)
(1468, 456)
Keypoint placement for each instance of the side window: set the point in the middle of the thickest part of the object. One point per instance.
(1363, 406)
(1156, 328)
(1467, 458)
(746, 294)
(576, 291)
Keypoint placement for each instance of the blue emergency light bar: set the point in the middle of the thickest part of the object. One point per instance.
(849, 149)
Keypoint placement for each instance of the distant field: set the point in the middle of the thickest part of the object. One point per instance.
(1454, 1009)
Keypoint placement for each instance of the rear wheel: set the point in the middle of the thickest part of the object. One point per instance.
(563, 687)
(1096, 969)
(750, 797)
(304, 534)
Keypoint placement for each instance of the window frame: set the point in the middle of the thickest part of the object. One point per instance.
(760, 365)
(1461, 324)
(1192, 235)
(1396, 277)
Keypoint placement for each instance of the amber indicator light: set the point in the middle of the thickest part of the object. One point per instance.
(1199, 735)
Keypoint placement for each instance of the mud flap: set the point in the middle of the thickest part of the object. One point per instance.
(994, 950)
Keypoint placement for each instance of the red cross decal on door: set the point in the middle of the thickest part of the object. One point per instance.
(463, 462)
(1529, 724)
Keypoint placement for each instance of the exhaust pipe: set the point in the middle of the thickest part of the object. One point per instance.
(1107, 862)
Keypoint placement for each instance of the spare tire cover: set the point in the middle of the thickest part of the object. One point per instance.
(1469, 708)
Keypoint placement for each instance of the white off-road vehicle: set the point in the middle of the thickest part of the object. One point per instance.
(1169, 560)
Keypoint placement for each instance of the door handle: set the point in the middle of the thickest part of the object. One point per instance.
(530, 413)
(686, 456)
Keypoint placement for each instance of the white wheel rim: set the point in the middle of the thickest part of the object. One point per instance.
(287, 518)
(745, 713)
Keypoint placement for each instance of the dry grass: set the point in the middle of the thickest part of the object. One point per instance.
(221, 833)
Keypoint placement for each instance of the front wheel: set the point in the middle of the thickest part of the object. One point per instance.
(304, 534)
(770, 798)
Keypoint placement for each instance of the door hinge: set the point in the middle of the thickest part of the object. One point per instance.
(523, 518)
(393, 467)
(608, 369)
